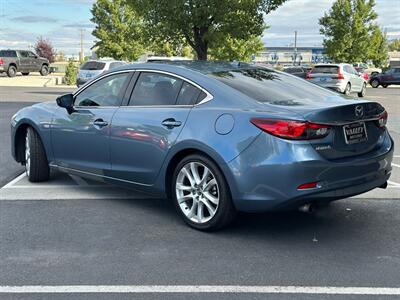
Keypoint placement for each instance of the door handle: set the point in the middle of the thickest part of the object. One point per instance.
(171, 123)
(100, 123)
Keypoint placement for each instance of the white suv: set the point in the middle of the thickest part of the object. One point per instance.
(342, 78)
(92, 68)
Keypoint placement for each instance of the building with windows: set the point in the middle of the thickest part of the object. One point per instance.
(290, 55)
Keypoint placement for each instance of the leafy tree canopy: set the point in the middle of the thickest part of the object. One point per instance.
(394, 45)
(119, 30)
(236, 49)
(351, 33)
(204, 24)
(45, 49)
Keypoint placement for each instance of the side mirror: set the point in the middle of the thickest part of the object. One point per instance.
(66, 101)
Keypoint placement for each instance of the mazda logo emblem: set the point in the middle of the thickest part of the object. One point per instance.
(359, 111)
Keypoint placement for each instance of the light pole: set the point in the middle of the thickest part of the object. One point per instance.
(295, 47)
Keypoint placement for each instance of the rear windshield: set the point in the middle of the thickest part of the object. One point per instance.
(8, 53)
(325, 69)
(265, 85)
(93, 65)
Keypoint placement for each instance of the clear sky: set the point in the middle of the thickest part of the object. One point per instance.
(22, 21)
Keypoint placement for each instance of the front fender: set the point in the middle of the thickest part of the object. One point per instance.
(39, 118)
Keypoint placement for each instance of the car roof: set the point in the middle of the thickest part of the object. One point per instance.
(204, 67)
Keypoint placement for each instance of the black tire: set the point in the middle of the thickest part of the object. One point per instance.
(385, 85)
(225, 211)
(12, 71)
(363, 91)
(25, 73)
(347, 90)
(44, 70)
(374, 83)
(37, 168)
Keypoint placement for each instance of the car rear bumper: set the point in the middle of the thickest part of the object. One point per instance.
(336, 85)
(266, 176)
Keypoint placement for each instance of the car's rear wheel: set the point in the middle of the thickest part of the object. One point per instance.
(36, 164)
(347, 90)
(363, 91)
(385, 85)
(12, 71)
(374, 83)
(44, 70)
(25, 73)
(201, 194)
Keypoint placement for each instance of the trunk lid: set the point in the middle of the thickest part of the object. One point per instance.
(354, 125)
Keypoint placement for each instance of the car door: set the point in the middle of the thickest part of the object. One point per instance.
(143, 131)
(396, 76)
(352, 78)
(358, 80)
(80, 140)
(34, 62)
(24, 61)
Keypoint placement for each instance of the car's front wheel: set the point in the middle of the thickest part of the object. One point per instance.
(36, 164)
(363, 91)
(385, 85)
(374, 83)
(201, 194)
(44, 70)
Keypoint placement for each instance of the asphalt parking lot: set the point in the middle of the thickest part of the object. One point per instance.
(117, 244)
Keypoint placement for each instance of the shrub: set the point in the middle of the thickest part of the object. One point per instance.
(71, 73)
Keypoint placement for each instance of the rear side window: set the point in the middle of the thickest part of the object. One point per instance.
(155, 89)
(93, 66)
(8, 53)
(325, 70)
(266, 85)
(188, 94)
(24, 53)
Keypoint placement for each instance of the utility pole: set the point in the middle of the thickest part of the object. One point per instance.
(81, 54)
(295, 47)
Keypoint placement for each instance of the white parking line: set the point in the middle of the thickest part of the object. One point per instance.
(15, 180)
(100, 289)
(395, 165)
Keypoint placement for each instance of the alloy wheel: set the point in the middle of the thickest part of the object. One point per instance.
(27, 155)
(197, 192)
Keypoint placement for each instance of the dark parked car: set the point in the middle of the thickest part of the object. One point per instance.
(297, 71)
(13, 61)
(386, 78)
(216, 138)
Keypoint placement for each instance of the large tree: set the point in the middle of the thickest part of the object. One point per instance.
(349, 27)
(119, 30)
(203, 24)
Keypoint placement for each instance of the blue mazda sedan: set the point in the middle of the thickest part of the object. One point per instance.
(214, 137)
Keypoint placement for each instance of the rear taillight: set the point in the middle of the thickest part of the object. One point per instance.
(1, 61)
(381, 122)
(308, 75)
(292, 130)
(340, 75)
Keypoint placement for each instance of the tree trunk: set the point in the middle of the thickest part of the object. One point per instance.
(200, 45)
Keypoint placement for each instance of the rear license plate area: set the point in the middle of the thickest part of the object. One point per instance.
(355, 133)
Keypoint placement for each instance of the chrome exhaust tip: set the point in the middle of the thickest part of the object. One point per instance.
(307, 208)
